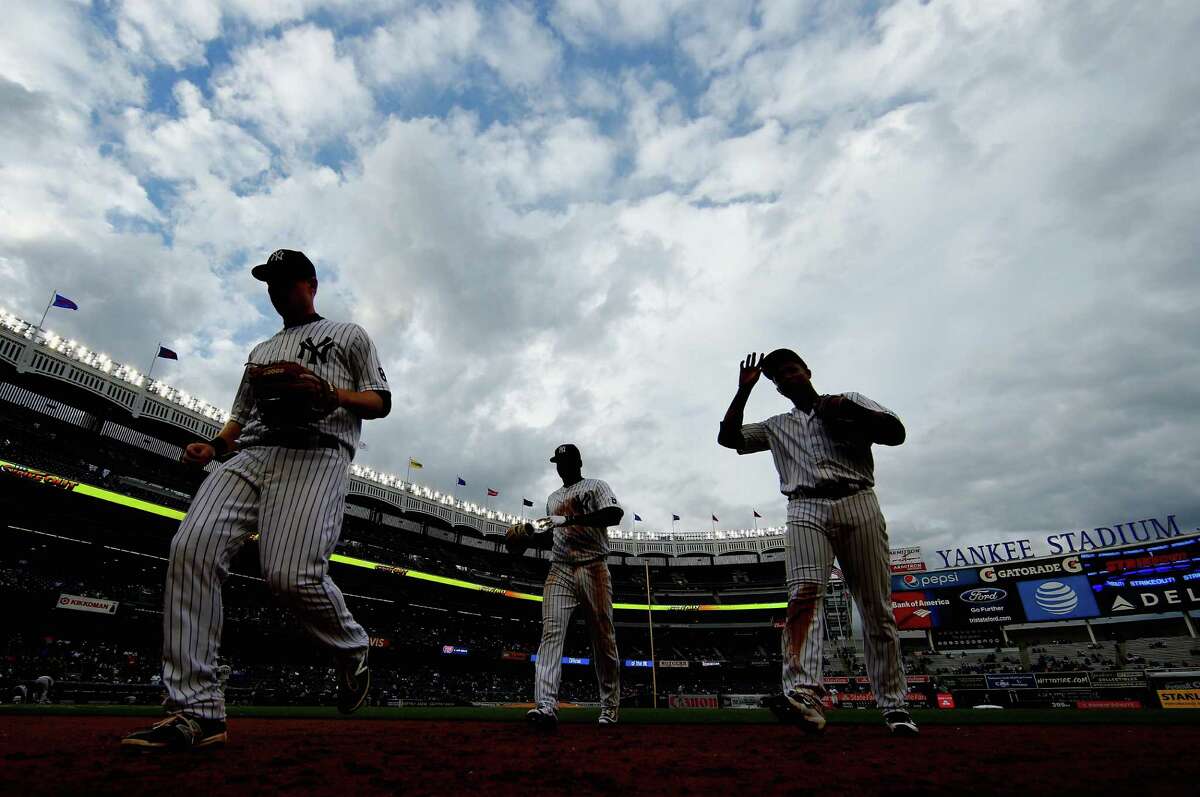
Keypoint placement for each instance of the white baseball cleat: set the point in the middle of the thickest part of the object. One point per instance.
(799, 707)
(542, 720)
(608, 716)
(900, 722)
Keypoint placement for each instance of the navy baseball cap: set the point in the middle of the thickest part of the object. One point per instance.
(285, 264)
(568, 452)
(776, 359)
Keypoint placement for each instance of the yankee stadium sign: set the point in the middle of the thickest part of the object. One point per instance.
(1066, 542)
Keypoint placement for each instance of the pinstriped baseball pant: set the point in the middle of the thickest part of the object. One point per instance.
(853, 529)
(569, 586)
(295, 499)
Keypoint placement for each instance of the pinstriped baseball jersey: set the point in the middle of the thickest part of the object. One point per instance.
(574, 544)
(807, 455)
(339, 352)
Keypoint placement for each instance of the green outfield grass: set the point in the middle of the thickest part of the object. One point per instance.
(646, 716)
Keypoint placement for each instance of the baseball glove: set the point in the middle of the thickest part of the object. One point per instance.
(288, 394)
(518, 538)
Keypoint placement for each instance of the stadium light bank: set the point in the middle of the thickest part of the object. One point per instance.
(101, 362)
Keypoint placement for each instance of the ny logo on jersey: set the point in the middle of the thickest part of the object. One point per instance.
(316, 351)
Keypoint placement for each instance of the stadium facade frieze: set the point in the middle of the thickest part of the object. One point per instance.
(1130, 532)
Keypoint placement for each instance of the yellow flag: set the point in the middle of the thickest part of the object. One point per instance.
(412, 463)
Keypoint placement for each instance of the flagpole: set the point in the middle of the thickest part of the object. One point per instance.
(47, 310)
(153, 360)
(650, 622)
(755, 518)
(408, 473)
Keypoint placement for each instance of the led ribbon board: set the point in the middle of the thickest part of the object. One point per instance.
(80, 488)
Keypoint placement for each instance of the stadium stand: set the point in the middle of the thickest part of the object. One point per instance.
(57, 542)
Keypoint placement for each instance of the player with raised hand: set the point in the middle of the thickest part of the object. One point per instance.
(292, 433)
(822, 452)
(578, 515)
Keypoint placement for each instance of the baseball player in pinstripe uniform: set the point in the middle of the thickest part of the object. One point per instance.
(822, 451)
(287, 481)
(578, 514)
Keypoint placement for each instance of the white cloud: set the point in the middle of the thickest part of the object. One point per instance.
(297, 89)
(518, 48)
(430, 43)
(177, 34)
(49, 47)
(194, 144)
(174, 33)
(620, 22)
(542, 159)
(438, 44)
(981, 215)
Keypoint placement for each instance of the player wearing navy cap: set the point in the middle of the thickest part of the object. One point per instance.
(822, 451)
(578, 514)
(291, 450)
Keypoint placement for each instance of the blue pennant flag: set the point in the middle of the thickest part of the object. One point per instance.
(637, 518)
(461, 483)
(526, 502)
(64, 302)
(675, 517)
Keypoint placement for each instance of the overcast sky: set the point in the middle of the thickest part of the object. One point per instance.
(568, 221)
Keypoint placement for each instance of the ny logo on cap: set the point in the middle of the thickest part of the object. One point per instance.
(277, 255)
(560, 450)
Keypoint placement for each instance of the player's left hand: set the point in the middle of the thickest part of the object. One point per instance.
(518, 537)
(287, 393)
(550, 522)
(321, 389)
(842, 417)
(832, 409)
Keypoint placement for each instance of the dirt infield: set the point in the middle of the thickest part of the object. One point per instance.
(80, 755)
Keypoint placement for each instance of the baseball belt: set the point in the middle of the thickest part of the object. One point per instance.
(298, 438)
(830, 491)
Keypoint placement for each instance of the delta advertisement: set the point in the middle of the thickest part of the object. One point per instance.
(1144, 579)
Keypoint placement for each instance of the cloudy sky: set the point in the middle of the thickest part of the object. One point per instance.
(569, 221)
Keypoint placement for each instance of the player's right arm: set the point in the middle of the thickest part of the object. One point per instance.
(203, 452)
(730, 435)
